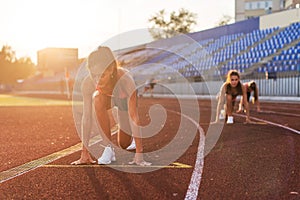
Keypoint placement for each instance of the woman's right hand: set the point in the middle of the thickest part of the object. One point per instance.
(248, 121)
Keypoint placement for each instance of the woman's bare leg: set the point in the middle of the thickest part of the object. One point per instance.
(102, 103)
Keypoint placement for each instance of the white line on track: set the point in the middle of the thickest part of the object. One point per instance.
(195, 181)
(280, 113)
(192, 192)
(27, 167)
(272, 123)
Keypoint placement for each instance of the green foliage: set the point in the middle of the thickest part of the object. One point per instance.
(176, 23)
(225, 20)
(12, 69)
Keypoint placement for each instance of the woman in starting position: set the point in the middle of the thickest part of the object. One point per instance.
(228, 93)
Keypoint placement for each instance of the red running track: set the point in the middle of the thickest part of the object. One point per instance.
(247, 161)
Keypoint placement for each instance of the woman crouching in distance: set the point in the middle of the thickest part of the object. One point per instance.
(228, 94)
(251, 86)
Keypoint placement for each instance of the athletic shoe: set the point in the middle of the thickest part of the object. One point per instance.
(108, 155)
(222, 115)
(131, 146)
(229, 120)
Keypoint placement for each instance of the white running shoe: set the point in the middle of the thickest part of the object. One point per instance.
(222, 115)
(108, 155)
(229, 120)
(131, 146)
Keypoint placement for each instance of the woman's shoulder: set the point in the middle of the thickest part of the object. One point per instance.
(244, 86)
(225, 85)
(123, 73)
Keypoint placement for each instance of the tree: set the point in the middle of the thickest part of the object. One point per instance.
(225, 20)
(24, 68)
(163, 27)
(7, 54)
(12, 69)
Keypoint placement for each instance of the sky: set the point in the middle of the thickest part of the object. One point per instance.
(32, 25)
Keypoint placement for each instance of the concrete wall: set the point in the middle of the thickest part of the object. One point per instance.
(284, 87)
(281, 19)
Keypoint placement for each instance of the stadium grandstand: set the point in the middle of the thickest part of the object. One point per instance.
(260, 50)
(265, 49)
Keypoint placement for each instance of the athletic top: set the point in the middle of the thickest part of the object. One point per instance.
(116, 91)
(234, 93)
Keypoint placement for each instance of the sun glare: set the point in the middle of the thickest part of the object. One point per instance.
(48, 24)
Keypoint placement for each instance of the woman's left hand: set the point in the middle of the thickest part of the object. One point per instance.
(139, 160)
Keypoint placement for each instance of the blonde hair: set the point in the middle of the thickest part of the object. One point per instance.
(252, 85)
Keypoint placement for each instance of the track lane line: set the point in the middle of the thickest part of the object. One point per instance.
(27, 167)
(174, 165)
(272, 123)
(194, 185)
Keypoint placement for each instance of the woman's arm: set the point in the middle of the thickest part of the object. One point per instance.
(245, 102)
(131, 91)
(240, 105)
(129, 87)
(220, 102)
(87, 89)
(134, 122)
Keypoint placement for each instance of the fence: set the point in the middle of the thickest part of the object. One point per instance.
(280, 86)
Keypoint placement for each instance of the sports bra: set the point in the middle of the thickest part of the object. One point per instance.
(229, 90)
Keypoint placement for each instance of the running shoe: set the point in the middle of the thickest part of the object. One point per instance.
(229, 120)
(108, 155)
(131, 146)
(222, 115)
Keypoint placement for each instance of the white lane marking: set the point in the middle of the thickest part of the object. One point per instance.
(27, 167)
(194, 185)
(272, 123)
(195, 181)
(280, 113)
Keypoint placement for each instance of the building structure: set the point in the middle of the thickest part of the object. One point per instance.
(51, 61)
(246, 9)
